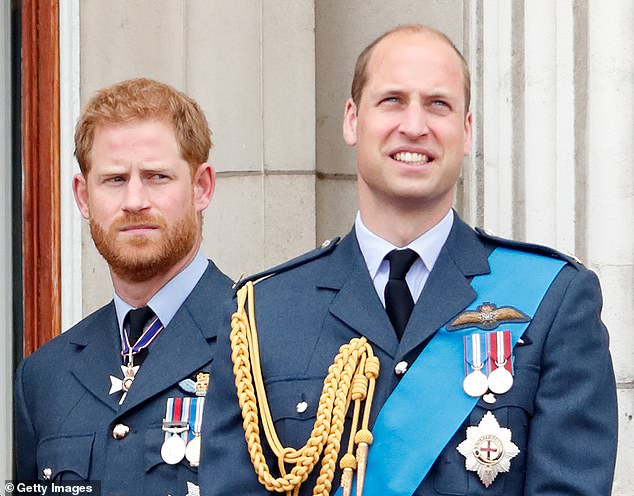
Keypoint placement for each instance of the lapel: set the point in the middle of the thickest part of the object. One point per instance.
(446, 293)
(447, 290)
(186, 344)
(98, 354)
(357, 303)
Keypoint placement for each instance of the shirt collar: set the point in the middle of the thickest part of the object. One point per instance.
(166, 302)
(427, 246)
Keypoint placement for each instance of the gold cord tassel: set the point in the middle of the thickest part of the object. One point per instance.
(363, 440)
(351, 378)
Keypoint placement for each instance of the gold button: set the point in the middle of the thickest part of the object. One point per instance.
(401, 368)
(120, 431)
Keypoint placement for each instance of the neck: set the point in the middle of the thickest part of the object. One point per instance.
(400, 226)
(138, 293)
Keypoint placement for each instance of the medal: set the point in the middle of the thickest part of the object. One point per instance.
(117, 385)
(500, 380)
(488, 449)
(173, 449)
(475, 382)
(500, 363)
(192, 453)
(152, 330)
(176, 427)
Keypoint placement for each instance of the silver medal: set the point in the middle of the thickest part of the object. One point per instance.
(192, 453)
(475, 384)
(500, 380)
(173, 449)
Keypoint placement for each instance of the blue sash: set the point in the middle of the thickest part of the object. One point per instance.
(422, 414)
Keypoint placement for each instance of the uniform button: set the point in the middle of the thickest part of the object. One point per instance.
(47, 472)
(325, 244)
(301, 407)
(401, 368)
(120, 431)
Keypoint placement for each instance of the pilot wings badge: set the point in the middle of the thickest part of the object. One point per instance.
(487, 317)
(488, 449)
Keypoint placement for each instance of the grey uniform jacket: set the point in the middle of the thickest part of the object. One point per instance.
(561, 409)
(65, 416)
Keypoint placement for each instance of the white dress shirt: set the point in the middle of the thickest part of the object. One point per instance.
(427, 246)
(166, 302)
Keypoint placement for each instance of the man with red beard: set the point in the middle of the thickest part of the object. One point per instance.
(119, 398)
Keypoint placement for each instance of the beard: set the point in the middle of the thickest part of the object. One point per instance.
(140, 258)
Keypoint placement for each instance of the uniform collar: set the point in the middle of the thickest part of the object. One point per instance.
(166, 302)
(427, 246)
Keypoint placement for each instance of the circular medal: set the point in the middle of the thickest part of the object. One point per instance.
(127, 383)
(173, 450)
(500, 380)
(488, 450)
(192, 453)
(475, 384)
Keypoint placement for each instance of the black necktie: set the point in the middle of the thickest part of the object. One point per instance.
(398, 299)
(137, 320)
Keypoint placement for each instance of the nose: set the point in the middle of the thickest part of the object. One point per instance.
(414, 121)
(136, 198)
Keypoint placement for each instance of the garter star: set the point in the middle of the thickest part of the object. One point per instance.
(488, 449)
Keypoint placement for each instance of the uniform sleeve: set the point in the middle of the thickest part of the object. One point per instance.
(25, 440)
(573, 434)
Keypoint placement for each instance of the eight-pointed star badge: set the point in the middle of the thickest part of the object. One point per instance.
(488, 449)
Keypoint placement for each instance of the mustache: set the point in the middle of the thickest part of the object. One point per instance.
(135, 219)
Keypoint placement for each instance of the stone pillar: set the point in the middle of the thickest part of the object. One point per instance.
(609, 205)
(553, 154)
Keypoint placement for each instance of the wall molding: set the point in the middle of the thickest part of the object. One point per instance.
(40, 172)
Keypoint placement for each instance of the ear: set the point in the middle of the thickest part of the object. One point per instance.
(467, 133)
(80, 190)
(350, 123)
(204, 183)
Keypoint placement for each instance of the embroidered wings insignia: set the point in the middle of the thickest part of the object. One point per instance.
(188, 385)
(487, 317)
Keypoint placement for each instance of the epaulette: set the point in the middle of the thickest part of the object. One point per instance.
(532, 247)
(326, 247)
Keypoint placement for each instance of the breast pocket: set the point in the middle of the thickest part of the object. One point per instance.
(160, 477)
(294, 404)
(65, 458)
(512, 410)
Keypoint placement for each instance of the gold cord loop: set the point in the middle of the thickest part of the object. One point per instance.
(350, 378)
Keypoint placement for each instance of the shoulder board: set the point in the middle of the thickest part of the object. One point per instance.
(326, 247)
(534, 248)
